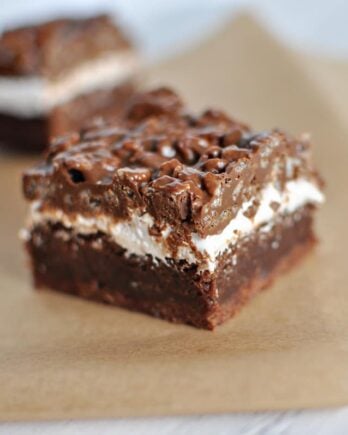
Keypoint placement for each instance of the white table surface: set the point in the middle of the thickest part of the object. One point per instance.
(320, 422)
(317, 26)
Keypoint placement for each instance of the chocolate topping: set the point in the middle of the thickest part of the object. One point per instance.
(161, 101)
(54, 47)
(192, 171)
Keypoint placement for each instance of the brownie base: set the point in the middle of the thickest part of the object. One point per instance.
(94, 267)
(32, 135)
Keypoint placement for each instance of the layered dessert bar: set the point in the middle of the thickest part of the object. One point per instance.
(56, 76)
(181, 216)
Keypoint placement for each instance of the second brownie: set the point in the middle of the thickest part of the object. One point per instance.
(56, 76)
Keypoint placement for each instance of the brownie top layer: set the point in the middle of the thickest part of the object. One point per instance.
(192, 171)
(52, 48)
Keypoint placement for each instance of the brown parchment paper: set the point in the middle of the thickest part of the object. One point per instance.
(61, 357)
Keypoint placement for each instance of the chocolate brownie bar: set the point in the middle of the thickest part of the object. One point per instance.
(56, 76)
(178, 215)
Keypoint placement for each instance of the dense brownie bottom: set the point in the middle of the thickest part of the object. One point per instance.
(94, 267)
(33, 134)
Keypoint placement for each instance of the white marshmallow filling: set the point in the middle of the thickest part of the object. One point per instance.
(36, 96)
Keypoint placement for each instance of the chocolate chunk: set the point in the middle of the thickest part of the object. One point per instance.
(162, 101)
(233, 152)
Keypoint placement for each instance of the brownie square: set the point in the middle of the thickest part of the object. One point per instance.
(57, 76)
(183, 216)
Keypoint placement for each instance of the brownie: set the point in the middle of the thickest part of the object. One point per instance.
(183, 216)
(57, 76)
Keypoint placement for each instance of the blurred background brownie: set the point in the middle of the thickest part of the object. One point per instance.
(56, 76)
